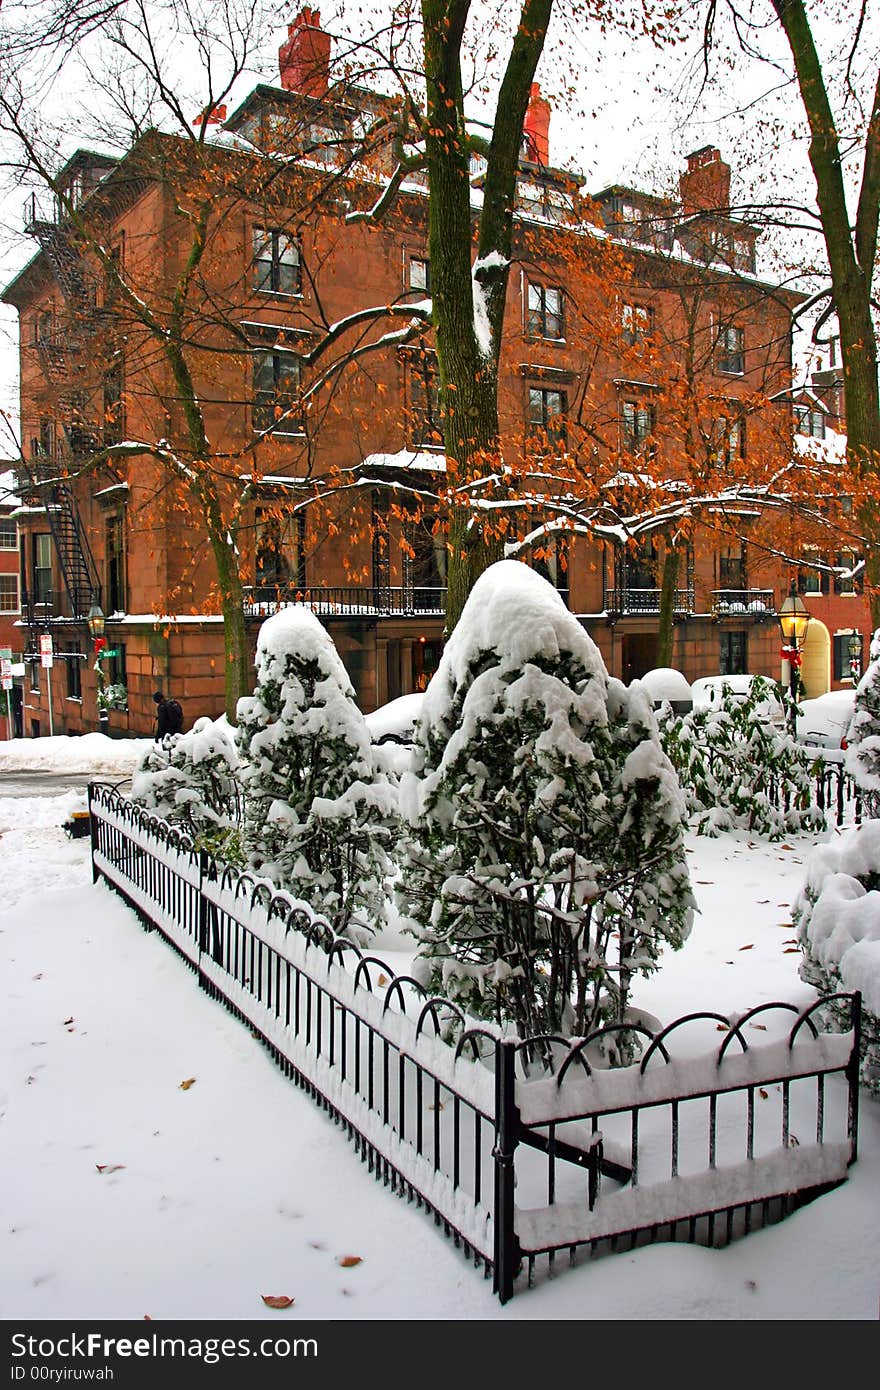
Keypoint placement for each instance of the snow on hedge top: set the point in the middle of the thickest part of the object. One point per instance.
(314, 695)
(516, 615)
(294, 634)
(838, 916)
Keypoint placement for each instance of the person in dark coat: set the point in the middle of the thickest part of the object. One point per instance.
(169, 716)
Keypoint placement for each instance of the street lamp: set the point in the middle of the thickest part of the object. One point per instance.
(95, 622)
(855, 657)
(794, 619)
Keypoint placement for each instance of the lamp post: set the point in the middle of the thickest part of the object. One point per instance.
(95, 622)
(855, 657)
(794, 619)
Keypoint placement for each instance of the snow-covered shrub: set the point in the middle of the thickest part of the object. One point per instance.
(191, 781)
(318, 817)
(738, 770)
(862, 760)
(837, 913)
(542, 864)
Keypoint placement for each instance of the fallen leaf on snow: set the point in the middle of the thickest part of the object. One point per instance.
(792, 951)
(786, 846)
(383, 979)
(707, 881)
(185, 1085)
(276, 1300)
(750, 947)
(68, 1020)
(349, 1261)
(761, 1026)
(109, 1167)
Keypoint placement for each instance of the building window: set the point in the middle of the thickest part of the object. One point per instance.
(841, 658)
(544, 317)
(277, 262)
(809, 421)
(114, 543)
(9, 600)
(73, 665)
(425, 422)
(734, 655)
(8, 533)
(732, 567)
(813, 581)
(114, 406)
(552, 563)
(115, 672)
(637, 322)
(728, 441)
(33, 675)
(424, 559)
(42, 568)
(548, 411)
(637, 423)
(846, 584)
(43, 333)
(418, 274)
(43, 443)
(731, 350)
(279, 552)
(277, 377)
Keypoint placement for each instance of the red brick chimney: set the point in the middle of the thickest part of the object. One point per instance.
(215, 114)
(304, 58)
(536, 127)
(705, 186)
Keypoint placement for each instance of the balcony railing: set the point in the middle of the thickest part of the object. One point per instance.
(347, 601)
(743, 603)
(646, 600)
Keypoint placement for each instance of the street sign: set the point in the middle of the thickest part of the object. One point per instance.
(46, 657)
(5, 653)
(6, 670)
(109, 651)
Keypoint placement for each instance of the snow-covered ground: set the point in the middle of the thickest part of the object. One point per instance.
(127, 1193)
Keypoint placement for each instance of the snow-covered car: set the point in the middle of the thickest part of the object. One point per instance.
(664, 683)
(824, 722)
(707, 693)
(396, 721)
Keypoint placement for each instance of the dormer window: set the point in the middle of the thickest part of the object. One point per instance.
(809, 422)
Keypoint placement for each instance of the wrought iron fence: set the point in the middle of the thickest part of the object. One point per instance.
(347, 600)
(519, 1149)
(629, 600)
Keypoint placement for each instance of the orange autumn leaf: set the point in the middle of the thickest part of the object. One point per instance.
(185, 1085)
(277, 1300)
(349, 1261)
(750, 947)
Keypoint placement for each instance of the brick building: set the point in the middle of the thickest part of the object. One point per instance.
(10, 593)
(609, 312)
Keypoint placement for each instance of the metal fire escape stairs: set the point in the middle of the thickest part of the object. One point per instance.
(79, 572)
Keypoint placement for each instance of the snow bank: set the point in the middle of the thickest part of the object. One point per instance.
(90, 754)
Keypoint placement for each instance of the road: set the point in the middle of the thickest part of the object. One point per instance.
(36, 783)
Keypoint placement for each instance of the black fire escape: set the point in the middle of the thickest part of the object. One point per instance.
(45, 468)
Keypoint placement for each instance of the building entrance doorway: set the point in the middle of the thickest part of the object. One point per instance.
(426, 653)
(639, 654)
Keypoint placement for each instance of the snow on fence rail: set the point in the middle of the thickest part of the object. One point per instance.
(520, 1149)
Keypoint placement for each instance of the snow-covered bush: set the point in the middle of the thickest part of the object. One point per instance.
(738, 770)
(542, 864)
(318, 817)
(862, 760)
(837, 913)
(190, 780)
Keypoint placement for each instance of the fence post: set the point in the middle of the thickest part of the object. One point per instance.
(852, 1075)
(204, 943)
(507, 1251)
(93, 832)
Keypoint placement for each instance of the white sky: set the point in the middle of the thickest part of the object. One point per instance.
(238, 1186)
